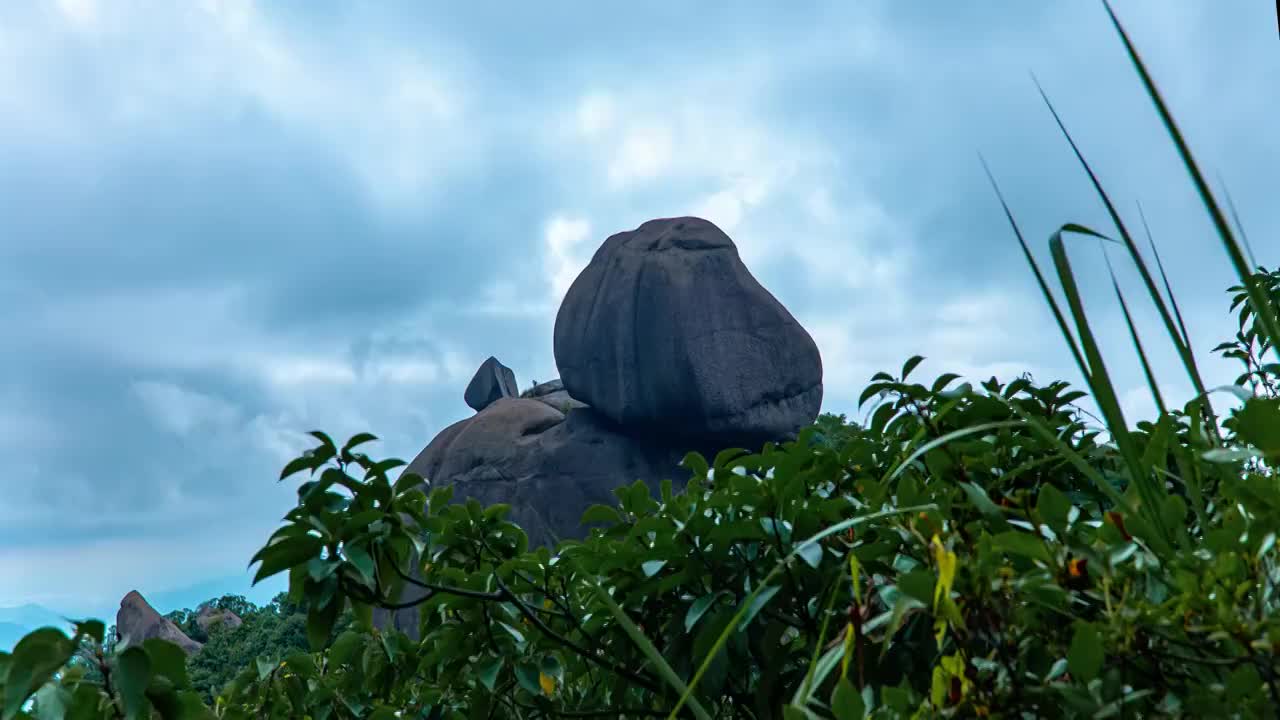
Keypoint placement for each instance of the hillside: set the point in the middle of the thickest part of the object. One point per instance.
(22, 619)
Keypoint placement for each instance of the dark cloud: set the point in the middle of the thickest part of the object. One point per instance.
(221, 229)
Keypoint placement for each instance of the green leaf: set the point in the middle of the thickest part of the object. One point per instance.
(345, 647)
(357, 439)
(132, 675)
(1054, 508)
(1244, 683)
(812, 555)
(92, 629)
(519, 637)
(1021, 543)
(791, 712)
(652, 567)
(488, 672)
(846, 701)
(527, 675)
(1085, 656)
(285, 554)
(52, 702)
(360, 559)
(982, 502)
(169, 661)
(602, 514)
(297, 465)
(36, 657)
(699, 608)
(910, 365)
(1258, 423)
(757, 604)
(301, 664)
(320, 622)
(322, 437)
(918, 584)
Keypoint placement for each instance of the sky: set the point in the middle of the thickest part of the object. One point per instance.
(224, 223)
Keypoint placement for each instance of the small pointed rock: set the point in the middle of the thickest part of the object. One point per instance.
(137, 622)
(492, 382)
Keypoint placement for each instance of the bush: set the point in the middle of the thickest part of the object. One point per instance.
(969, 551)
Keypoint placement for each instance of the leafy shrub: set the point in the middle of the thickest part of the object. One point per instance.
(967, 552)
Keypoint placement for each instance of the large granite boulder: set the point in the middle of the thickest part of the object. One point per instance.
(667, 329)
(137, 622)
(665, 344)
(549, 466)
(492, 381)
(209, 617)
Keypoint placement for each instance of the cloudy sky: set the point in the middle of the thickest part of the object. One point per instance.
(224, 223)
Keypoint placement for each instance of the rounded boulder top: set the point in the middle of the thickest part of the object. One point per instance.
(666, 329)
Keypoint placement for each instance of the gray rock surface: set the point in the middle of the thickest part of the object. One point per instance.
(667, 329)
(492, 381)
(209, 617)
(553, 393)
(137, 622)
(545, 388)
(550, 467)
(665, 344)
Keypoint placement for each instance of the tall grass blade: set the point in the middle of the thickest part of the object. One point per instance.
(1103, 389)
(1133, 333)
(1235, 218)
(1183, 348)
(1173, 300)
(1261, 303)
(1044, 286)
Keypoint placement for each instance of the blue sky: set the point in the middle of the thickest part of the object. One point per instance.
(224, 223)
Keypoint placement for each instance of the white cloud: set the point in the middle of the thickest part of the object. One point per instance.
(292, 371)
(644, 153)
(595, 114)
(967, 334)
(81, 13)
(563, 239)
(180, 410)
(398, 119)
(405, 371)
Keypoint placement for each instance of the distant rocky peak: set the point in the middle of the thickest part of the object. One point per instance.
(137, 622)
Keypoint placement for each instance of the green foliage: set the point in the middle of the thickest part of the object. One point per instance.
(964, 551)
(274, 632)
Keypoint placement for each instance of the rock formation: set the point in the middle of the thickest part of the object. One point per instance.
(548, 465)
(665, 344)
(210, 616)
(492, 381)
(553, 394)
(137, 621)
(667, 329)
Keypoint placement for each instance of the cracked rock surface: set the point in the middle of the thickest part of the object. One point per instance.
(667, 328)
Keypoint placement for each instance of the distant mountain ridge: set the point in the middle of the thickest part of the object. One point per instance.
(10, 634)
(18, 621)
